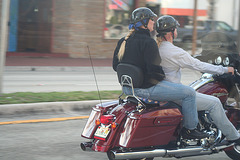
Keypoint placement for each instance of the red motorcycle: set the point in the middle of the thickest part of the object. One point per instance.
(136, 128)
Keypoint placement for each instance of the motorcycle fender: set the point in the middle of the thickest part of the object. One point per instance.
(97, 111)
(113, 138)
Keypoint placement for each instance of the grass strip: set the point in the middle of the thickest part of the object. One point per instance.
(35, 97)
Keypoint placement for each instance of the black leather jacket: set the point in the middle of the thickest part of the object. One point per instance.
(141, 50)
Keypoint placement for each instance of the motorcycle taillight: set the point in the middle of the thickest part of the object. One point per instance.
(106, 119)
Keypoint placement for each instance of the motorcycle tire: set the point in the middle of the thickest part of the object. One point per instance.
(142, 159)
(234, 152)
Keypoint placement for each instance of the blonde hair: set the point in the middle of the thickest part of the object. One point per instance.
(122, 47)
(159, 41)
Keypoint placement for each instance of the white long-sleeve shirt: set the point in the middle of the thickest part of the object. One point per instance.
(175, 58)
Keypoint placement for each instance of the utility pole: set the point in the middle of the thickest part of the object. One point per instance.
(194, 28)
(3, 39)
(238, 40)
(212, 9)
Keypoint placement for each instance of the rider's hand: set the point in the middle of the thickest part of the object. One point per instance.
(231, 70)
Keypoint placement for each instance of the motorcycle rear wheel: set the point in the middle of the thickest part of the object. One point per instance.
(142, 159)
(234, 153)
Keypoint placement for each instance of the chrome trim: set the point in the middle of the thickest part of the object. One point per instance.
(86, 146)
(205, 78)
(139, 154)
(219, 148)
(186, 152)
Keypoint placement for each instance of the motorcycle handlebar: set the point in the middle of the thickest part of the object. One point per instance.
(236, 72)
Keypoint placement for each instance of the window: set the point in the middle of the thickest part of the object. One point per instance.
(117, 18)
(221, 26)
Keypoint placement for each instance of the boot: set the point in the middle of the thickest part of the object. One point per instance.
(193, 134)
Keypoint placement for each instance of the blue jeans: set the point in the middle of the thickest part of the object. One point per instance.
(168, 91)
(217, 113)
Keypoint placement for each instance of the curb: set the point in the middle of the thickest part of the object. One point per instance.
(33, 108)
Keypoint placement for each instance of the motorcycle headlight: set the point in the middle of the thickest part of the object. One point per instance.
(218, 60)
(226, 61)
(210, 61)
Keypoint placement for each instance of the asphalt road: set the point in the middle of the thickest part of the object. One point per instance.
(60, 79)
(64, 79)
(54, 140)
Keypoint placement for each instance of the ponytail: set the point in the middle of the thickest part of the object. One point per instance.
(122, 47)
(159, 41)
(161, 37)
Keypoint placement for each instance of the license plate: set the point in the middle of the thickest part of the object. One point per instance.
(102, 132)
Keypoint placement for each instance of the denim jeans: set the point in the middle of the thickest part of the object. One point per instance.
(168, 91)
(217, 114)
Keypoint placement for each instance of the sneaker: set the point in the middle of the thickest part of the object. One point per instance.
(193, 134)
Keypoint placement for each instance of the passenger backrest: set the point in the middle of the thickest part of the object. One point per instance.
(129, 74)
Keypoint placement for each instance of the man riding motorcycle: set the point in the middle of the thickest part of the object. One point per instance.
(175, 58)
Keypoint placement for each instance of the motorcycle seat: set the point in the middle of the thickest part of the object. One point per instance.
(145, 101)
(149, 101)
(132, 76)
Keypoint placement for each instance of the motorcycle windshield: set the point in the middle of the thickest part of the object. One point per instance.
(218, 48)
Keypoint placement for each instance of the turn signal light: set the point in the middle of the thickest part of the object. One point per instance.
(106, 120)
(114, 125)
(97, 122)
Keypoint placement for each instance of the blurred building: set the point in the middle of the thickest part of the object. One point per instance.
(69, 27)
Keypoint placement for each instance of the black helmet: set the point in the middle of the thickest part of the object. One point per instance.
(166, 24)
(141, 14)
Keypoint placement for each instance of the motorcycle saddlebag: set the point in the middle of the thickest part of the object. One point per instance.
(152, 127)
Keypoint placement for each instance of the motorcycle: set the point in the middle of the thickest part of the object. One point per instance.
(137, 128)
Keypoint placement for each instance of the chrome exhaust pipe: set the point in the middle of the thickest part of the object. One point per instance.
(186, 152)
(135, 155)
(114, 155)
(86, 146)
(219, 148)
